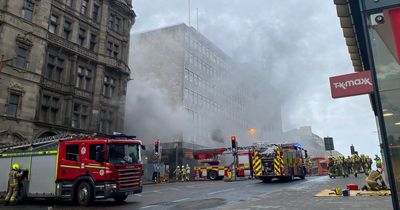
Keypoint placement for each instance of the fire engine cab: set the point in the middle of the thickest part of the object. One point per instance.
(80, 168)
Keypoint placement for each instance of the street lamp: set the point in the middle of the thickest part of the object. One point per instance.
(252, 132)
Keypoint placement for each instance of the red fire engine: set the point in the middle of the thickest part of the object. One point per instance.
(282, 161)
(320, 166)
(214, 163)
(80, 167)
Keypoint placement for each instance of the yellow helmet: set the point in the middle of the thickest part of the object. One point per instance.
(15, 166)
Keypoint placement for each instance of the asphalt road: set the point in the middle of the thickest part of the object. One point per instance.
(181, 195)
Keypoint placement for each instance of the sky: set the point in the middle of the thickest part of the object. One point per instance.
(297, 44)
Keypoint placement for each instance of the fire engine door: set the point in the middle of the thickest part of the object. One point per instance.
(70, 164)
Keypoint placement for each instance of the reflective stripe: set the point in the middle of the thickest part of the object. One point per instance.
(96, 166)
(49, 152)
(256, 162)
(68, 166)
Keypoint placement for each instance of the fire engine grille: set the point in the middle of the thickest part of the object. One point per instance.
(129, 178)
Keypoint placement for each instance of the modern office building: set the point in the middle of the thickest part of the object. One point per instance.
(63, 66)
(220, 96)
(371, 30)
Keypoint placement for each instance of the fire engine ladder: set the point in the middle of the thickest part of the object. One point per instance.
(42, 141)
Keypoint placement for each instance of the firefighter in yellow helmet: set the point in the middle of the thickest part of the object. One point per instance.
(374, 181)
(13, 184)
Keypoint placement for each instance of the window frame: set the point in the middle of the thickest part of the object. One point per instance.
(95, 13)
(50, 108)
(68, 30)
(84, 78)
(27, 5)
(81, 37)
(53, 23)
(84, 7)
(75, 154)
(109, 84)
(79, 115)
(19, 57)
(56, 70)
(17, 104)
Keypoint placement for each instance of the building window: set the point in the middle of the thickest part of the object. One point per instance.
(53, 24)
(117, 24)
(84, 6)
(116, 50)
(55, 67)
(28, 10)
(67, 29)
(106, 121)
(83, 78)
(95, 13)
(72, 152)
(49, 109)
(81, 36)
(68, 3)
(114, 22)
(111, 21)
(112, 49)
(20, 59)
(93, 42)
(108, 87)
(79, 116)
(13, 103)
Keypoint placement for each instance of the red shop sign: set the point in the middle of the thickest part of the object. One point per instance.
(351, 84)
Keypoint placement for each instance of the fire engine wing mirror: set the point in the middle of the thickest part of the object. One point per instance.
(99, 154)
(143, 147)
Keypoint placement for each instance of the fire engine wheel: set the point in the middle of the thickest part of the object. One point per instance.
(213, 175)
(84, 194)
(120, 198)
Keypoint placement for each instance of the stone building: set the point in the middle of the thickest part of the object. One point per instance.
(215, 91)
(63, 66)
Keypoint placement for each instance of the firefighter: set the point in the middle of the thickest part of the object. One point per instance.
(331, 167)
(369, 163)
(13, 184)
(187, 172)
(343, 166)
(177, 173)
(375, 181)
(309, 167)
(378, 162)
(348, 164)
(183, 173)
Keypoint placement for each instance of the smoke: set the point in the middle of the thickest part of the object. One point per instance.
(149, 113)
(295, 46)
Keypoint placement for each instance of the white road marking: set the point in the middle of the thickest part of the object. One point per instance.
(145, 207)
(173, 188)
(183, 199)
(139, 195)
(221, 191)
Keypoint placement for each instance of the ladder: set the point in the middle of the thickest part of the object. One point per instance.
(43, 141)
(61, 137)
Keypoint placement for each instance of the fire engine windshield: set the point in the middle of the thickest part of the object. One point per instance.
(123, 153)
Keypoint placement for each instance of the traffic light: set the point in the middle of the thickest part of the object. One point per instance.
(156, 143)
(234, 144)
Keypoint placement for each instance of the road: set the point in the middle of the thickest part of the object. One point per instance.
(183, 195)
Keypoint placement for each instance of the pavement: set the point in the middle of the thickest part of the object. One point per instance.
(246, 194)
(301, 197)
